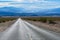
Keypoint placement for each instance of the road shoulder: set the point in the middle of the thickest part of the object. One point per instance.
(45, 26)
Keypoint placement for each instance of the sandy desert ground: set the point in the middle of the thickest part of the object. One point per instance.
(51, 27)
(4, 26)
(55, 27)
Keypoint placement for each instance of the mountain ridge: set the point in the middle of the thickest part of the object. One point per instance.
(12, 11)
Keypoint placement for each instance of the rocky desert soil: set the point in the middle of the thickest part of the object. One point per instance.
(4, 26)
(51, 27)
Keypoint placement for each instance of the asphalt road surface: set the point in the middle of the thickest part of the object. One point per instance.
(22, 30)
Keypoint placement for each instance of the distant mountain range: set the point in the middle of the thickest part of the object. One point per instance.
(12, 11)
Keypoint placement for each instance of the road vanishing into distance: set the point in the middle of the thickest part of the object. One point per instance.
(22, 30)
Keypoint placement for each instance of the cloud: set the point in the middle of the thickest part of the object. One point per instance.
(52, 0)
(19, 1)
(4, 4)
(43, 4)
(30, 4)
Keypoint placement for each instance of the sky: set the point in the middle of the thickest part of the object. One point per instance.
(31, 4)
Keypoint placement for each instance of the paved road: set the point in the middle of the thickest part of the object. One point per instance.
(22, 30)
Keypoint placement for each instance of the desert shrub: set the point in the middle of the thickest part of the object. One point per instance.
(3, 21)
(51, 22)
(43, 20)
(0, 21)
(34, 20)
(6, 19)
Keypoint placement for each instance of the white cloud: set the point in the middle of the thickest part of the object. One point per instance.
(40, 5)
(18, 0)
(4, 4)
(28, 1)
(36, 4)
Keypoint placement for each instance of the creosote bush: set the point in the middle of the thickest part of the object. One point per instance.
(50, 20)
(43, 20)
(6, 19)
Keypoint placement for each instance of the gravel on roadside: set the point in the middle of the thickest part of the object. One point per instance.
(4, 26)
